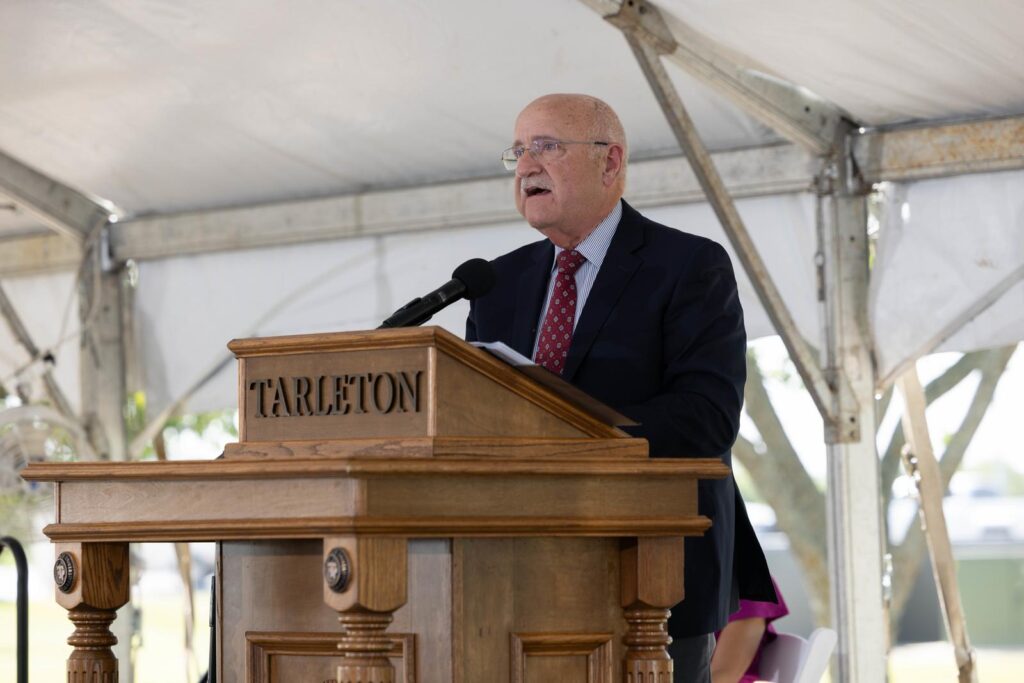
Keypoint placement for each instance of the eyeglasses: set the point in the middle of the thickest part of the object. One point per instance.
(544, 149)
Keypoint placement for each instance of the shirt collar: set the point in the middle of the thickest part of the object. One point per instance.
(595, 246)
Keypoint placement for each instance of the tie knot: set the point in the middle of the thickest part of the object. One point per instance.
(570, 261)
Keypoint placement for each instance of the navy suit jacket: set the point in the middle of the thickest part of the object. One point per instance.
(660, 339)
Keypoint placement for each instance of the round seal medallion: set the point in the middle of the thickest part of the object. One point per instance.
(337, 570)
(64, 572)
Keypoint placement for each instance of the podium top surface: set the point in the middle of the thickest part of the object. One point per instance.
(362, 340)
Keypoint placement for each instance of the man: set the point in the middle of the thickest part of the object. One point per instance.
(641, 316)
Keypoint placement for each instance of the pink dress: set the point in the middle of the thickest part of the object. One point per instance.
(769, 611)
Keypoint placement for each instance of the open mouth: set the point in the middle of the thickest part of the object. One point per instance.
(535, 191)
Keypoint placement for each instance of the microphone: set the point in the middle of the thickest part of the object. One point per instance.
(472, 279)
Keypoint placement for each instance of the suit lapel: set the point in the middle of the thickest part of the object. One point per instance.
(530, 297)
(618, 268)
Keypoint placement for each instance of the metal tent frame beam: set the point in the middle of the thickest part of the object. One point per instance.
(917, 152)
(856, 534)
(724, 207)
(753, 172)
(34, 254)
(65, 210)
(794, 112)
(922, 466)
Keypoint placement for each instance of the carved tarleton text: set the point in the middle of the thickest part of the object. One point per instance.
(355, 394)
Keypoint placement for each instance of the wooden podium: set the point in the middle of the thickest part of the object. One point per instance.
(461, 521)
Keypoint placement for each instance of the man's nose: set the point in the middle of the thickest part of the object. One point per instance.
(527, 165)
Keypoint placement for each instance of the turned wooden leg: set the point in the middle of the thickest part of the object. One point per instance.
(92, 660)
(652, 582)
(647, 660)
(365, 580)
(364, 646)
(92, 582)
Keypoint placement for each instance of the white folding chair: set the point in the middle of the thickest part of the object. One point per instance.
(791, 659)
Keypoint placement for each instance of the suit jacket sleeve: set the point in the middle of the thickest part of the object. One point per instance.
(696, 412)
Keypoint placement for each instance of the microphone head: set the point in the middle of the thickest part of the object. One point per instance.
(477, 275)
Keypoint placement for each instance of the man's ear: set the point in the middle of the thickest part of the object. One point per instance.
(613, 164)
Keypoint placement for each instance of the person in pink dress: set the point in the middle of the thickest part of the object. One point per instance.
(739, 645)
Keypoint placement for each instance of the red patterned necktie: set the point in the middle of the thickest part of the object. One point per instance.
(556, 330)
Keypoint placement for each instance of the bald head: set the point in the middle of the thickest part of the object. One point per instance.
(565, 194)
(589, 114)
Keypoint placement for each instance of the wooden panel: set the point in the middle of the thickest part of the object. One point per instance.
(486, 596)
(442, 447)
(276, 588)
(544, 669)
(432, 392)
(286, 657)
(517, 382)
(427, 612)
(350, 394)
(242, 433)
(566, 591)
(593, 498)
(541, 657)
(142, 501)
(187, 470)
(472, 404)
(269, 586)
(408, 447)
(539, 448)
(447, 498)
(418, 526)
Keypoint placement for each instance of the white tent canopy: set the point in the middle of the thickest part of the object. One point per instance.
(169, 107)
(948, 248)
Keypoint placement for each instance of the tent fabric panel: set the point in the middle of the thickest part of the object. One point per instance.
(42, 302)
(942, 245)
(164, 107)
(349, 284)
(882, 61)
